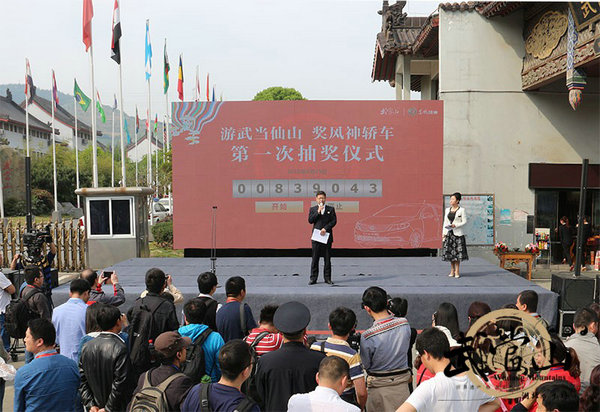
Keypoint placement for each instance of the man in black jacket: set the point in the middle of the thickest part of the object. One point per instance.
(104, 365)
(323, 218)
(34, 296)
(162, 310)
(292, 368)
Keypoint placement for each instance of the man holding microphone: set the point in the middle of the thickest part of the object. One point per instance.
(322, 218)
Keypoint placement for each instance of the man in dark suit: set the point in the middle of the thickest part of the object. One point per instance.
(323, 218)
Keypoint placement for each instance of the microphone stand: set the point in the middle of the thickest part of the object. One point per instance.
(213, 248)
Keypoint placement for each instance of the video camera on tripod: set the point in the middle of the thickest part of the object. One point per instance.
(33, 241)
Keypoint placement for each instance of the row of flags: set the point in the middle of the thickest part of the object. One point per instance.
(84, 101)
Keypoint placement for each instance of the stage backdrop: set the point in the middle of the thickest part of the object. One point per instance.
(260, 163)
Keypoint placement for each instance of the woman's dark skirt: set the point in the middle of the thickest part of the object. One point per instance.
(454, 248)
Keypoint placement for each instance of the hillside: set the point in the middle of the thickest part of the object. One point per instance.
(66, 101)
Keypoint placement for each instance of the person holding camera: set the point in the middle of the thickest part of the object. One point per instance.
(44, 263)
(96, 282)
(342, 323)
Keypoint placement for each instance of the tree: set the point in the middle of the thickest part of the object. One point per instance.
(278, 93)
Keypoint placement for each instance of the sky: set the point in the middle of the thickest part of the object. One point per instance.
(324, 48)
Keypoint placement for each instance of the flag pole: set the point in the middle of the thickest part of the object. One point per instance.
(29, 217)
(149, 138)
(112, 151)
(137, 182)
(54, 158)
(76, 151)
(94, 141)
(156, 158)
(2, 195)
(123, 169)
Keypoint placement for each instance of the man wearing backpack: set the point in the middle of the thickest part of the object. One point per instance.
(164, 388)
(203, 354)
(104, 365)
(235, 360)
(149, 317)
(234, 319)
(36, 306)
(207, 286)
(266, 338)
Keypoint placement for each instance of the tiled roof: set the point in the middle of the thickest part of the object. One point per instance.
(155, 141)
(462, 6)
(498, 8)
(61, 114)
(11, 111)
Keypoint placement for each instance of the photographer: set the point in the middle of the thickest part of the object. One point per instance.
(96, 282)
(342, 322)
(34, 243)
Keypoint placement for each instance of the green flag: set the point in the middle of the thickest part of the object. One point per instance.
(81, 98)
(99, 107)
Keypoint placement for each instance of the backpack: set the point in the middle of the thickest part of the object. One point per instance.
(152, 398)
(18, 314)
(141, 351)
(195, 361)
(245, 405)
(249, 386)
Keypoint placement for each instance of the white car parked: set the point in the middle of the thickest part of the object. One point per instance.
(165, 202)
(160, 213)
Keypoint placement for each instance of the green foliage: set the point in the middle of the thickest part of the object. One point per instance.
(14, 207)
(278, 93)
(42, 202)
(163, 233)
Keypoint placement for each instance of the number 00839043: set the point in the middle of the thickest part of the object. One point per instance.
(335, 188)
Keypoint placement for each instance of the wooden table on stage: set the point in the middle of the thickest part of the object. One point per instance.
(517, 257)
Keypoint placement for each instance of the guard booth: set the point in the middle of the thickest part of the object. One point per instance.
(116, 224)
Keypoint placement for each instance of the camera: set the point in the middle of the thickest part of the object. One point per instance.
(33, 242)
(354, 340)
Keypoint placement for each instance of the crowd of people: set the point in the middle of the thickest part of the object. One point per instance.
(87, 355)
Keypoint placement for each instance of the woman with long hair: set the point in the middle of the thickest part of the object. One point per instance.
(447, 316)
(566, 359)
(454, 246)
(446, 320)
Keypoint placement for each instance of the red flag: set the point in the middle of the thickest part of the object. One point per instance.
(54, 91)
(88, 13)
(207, 89)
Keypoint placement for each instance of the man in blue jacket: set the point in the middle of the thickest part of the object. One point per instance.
(50, 381)
(194, 311)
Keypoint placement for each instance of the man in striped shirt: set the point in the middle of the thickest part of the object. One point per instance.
(383, 351)
(269, 337)
(342, 322)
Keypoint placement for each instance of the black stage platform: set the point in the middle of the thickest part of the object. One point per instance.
(423, 281)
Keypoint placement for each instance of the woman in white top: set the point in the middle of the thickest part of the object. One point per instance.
(454, 247)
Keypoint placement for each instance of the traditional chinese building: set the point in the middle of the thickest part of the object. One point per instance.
(137, 154)
(520, 85)
(12, 128)
(64, 123)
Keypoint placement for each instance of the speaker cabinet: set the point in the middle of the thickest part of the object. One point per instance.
(565, 323)
(574, 293)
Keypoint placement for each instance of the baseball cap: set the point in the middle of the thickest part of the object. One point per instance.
(169, 343)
